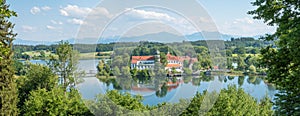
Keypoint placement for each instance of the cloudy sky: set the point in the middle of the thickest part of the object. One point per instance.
(52, 20)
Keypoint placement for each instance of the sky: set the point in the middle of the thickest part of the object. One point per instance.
(53, 20)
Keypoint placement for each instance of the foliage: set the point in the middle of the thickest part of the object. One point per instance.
(163, 58)
(104, 69)
(231, 101)
(8, 90)
(65, 65)
(55, 102)
(37, 77)
(162, 91)
(116, 71)
(19, 68)
(252, 69)
(283, 62)
(187, 71)
(114, 103)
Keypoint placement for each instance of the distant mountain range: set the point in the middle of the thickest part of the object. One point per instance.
(163, 37)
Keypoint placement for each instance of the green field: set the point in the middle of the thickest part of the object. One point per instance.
(92, 55)
(236, 55)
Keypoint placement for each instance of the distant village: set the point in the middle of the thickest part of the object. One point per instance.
(173, 62)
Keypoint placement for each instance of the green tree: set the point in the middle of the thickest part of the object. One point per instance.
(241, 63)
(163, 58)
(252, 69)
(241, 80)
(196, 66)
(239, 50)
(65, 64)
(113, 103)
(230, 101)
(116, 71)
(101, 69)
(55, 102)
(19, 68)
(126, 72)
(186, 63)
(8, 90)
(42, 54)
(282, 62)
(134, 72)
(37, 77)
(188, 71)
(162, 92)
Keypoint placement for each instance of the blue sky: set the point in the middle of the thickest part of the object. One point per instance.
(52, 20)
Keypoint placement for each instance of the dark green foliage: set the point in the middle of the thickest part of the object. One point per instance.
(162, 91)
(163, 59)
(37, 77)
(239, 50)
(19, 67)
(8, 90)
(283, 63)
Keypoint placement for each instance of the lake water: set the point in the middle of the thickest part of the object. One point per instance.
(186, 88)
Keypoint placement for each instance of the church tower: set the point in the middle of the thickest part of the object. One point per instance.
(157, 56)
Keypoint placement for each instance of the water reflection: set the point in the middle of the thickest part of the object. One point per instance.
(183, 87)
(158, 91)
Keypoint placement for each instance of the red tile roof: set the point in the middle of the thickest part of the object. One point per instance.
(171, 57)
(141, 58)
(173, 65)
(183, 58)
(135, 88)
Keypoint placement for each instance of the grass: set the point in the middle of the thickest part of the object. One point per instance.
(37, 53)
(236, 55)
(92, 55)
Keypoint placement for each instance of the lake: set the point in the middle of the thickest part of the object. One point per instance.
(185, 88)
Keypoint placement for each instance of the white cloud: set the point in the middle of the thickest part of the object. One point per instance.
(46, 8)
(35, 10)
(244, 20)
(246, 27)
(149, 14)
(177, 22)
(76, 21)
(50, 27)
(27, 28)
(100, 11)
(56, 22)
(75, 11)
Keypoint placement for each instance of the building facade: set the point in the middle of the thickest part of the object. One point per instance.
(148, 62)
(142, 62)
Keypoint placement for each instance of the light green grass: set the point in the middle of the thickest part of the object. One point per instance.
(91, 55)
(37, 53)
(236, 55)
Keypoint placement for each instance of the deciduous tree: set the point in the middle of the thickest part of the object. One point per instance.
(65, 64)
(283, 62)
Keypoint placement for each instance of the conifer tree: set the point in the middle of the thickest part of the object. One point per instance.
(8, 90)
